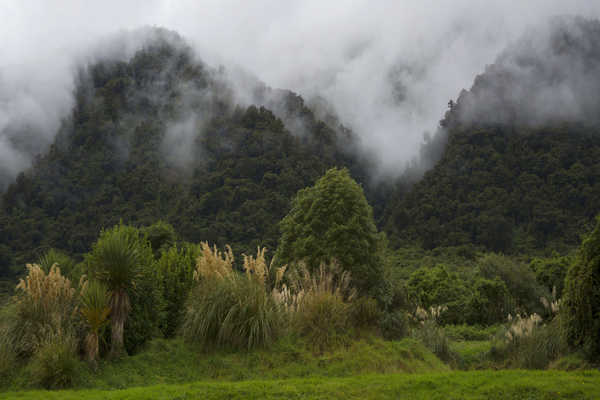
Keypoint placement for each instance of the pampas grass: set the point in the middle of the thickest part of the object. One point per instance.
(231, 309)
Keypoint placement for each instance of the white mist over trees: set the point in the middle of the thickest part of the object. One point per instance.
(387, 68)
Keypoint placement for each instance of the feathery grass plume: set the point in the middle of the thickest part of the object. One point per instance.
(525, 342)
(213, 264)
(230, 309)
(319, 303)
(45, 303)
(95, 310)
(430, 333)
(257, 268)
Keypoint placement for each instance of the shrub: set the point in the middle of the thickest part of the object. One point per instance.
(62, 260)
(176, 265)
(524, 291)
(55, 364)
(436, 286)
(551, 272)
(45, 303)
(333, 220)
(124, 262)
(320, 304)
(434, 338)
(527, 343)
(364, 313)
(323, 318)
(229, 309)
(394, 325)
(8, 354)
(95, 310)
(581, 306)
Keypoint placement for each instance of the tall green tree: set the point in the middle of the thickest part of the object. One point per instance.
(332, 220)
(115, 260)
(581, 307)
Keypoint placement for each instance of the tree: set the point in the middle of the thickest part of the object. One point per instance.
(95, 311)
(332, 220)
(581, 307)
(116, 261)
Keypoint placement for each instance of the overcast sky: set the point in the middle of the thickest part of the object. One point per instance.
(388, 67)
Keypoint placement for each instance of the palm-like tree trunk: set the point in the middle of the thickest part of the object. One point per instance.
(119, 310)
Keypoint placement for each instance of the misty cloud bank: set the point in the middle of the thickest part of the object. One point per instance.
(551, 75)
(387, 68)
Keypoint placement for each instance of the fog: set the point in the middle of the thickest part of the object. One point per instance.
(387, 68)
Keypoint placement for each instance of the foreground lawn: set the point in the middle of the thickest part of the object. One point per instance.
(446, 385)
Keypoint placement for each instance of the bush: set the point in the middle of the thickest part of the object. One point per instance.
(44, 304)
(176, 265)
(434, 338)
(394, 325)
(320, 304)
(524, 291)
(430, 287)
(62, 260)
(581, 306)
(527, 343)
(364, 313)
(229, 309)
(332, 220)
(55, 364)
(124, 262)
(8, 355)
(324, 319)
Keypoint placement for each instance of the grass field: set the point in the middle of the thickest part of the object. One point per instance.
(516, 384)
(174, 362)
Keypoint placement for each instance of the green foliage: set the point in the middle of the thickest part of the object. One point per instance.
(323, 319)
(439, 287)
(333, 221)
(434, 338)
(124, 262)
(489, 302)
(503, 188)
(520, 281)
(66, 263)
(364, 313)
(55, 364)
(233, 313)
(581, 305)
(160, 235)
(470, 332)
(176, 265)
(472, 385)
(44, 305)
(534, 347)
(551, 272)
(95, 310)
(229, 309)
(112, 160)
(8, 340)
(394, 325)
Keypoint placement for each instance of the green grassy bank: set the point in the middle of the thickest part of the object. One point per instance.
(514, 384)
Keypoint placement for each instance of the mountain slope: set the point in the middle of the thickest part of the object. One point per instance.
(160, 136)
(521, 167)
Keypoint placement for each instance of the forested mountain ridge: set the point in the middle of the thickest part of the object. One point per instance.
(520, 170)
(160, 136)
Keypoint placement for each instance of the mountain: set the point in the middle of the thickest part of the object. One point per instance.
(520, 170)
(160, 135)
